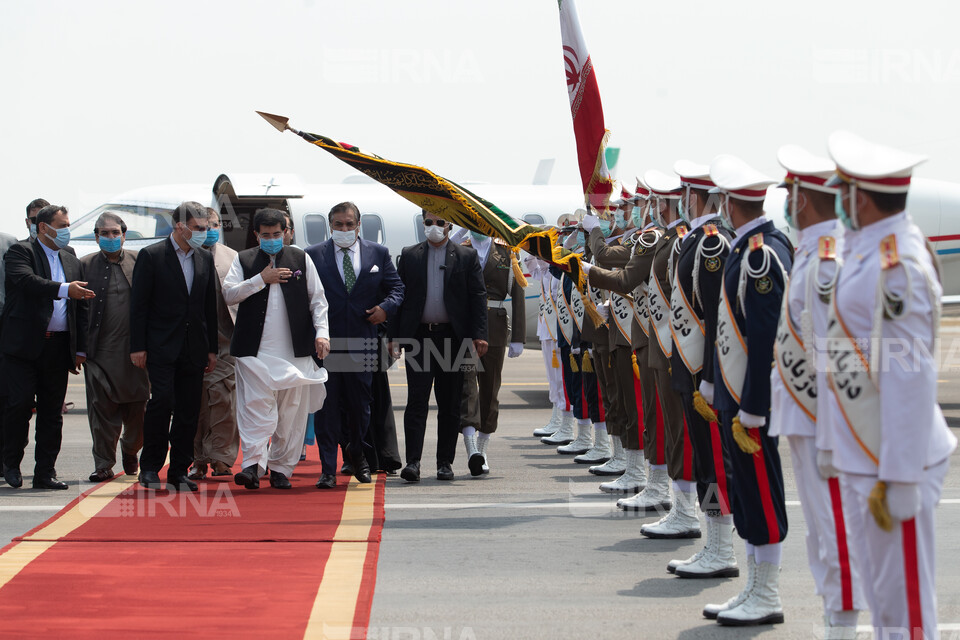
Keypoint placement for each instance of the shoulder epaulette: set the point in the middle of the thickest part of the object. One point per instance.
(828, 248)
(889, 257)
(710, 230)
(681, 230)
(499, 241)
(756, 242)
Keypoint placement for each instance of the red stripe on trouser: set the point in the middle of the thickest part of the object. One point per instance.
(584, 407)
(718, 468)
(687, 452)
(846, 582)
(566, 396)
(912, 574)
(661, 437)
(763, 486)
(638, 399)
(603, 414)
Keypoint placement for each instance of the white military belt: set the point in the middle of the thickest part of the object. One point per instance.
(496, 304)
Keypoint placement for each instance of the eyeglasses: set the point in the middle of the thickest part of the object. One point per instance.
(439, 223)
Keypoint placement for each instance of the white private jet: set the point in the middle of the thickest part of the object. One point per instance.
(390, 220)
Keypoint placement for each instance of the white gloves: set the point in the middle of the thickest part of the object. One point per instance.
(903, 500)
(586, 266)
(748, 420)
(825, 465)
(604, 310)
(706, 390)
(589, 223)
(576, 351)
(515, 349)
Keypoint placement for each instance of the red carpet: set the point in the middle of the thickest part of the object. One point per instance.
(225, 562)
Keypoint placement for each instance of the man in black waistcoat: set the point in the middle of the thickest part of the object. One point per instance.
(281, 325)
(173, 335)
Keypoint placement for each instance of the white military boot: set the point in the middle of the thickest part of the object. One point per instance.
(719, 560)
(552, 425)
(563, 435)
(482, 444)
(582, 444)
(762, 606)
(616, 465)
(600, 452)
(633, 478)
(655, 497)
(711, 611)
(474, 458)
(681, 522)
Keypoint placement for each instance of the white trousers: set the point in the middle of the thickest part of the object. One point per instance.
(272, 424)
(554, 375)
(832, 557)
(898, 567)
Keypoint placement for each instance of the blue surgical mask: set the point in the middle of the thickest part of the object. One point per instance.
(605, 228)
(33, 231)
(477, 237)
(197, 238)
(110, 245)
(787, 214)
(62, 239)
(619, 220)
(842, 213)
(581, 238)
(272, 246)
(213, 237)
(637, 218)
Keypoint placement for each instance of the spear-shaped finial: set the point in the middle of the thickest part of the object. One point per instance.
(278, 122)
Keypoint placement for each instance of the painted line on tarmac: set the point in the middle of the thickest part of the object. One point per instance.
(29, 507)
(578, 504)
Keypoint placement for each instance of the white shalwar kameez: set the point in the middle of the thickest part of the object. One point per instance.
(276, 390)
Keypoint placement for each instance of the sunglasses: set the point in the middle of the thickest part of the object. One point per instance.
(439, 223)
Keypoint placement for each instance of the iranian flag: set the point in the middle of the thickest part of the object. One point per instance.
(586, 109)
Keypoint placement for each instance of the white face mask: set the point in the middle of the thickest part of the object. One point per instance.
(434, 233)
(344, 239)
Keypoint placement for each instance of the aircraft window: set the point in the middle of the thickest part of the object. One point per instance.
(141, 221)
(533, 218)
(418, 227)
(315, 226)
(371, 228)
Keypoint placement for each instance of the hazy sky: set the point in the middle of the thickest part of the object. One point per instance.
(100, 97)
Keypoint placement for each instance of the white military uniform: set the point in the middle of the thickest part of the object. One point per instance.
(887, 425)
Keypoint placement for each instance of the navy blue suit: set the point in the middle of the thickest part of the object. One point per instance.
(345, 416)
(759, 508)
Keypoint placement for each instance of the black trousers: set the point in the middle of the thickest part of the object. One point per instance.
(43, 381)
(345, 416)
(433, 360)
(383, 427)
(175, 390)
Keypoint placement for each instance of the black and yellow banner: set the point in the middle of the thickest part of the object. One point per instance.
(455, 204)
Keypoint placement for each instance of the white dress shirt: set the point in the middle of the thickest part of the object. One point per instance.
(58, 321)
(186, 263)
(354, 251)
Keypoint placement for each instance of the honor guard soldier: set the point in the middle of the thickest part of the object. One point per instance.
(754, 278)
(890, 441)
(696, 289)
(798, 383)
(608, 252)
(480, 404)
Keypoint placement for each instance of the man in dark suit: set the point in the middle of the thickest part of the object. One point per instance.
(173, 334)
(44, 338)
(361, 283)
(444, 309)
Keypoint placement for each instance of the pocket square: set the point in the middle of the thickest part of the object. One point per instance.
(374, 269)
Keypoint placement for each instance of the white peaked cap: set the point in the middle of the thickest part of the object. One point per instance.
(738, 179)
(662, 184)
(805, 169)
(693, 175)
(872, 166)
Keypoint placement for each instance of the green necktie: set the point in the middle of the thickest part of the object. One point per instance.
(349, 277)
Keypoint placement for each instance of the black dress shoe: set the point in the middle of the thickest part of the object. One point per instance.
(346, 469)
(101, 474)
(411, 472)
(363, 475)
(249, 477)
(150, 480)
(13, 477)
(444, 471)
(326, 481)
(279, 481)
(49, 482)
(130, 463)
(180, 482)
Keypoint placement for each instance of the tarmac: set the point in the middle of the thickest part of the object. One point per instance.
(534, 549)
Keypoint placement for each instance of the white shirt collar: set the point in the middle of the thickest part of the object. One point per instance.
(696, 223)
(51, 253)
(744, 229)
(176, 247)
(675, 223)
